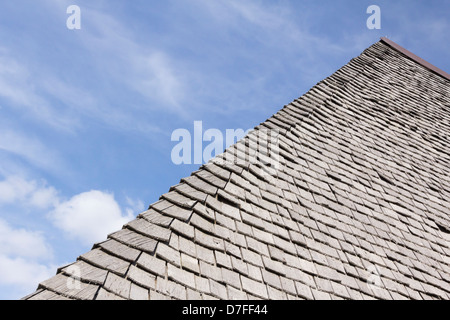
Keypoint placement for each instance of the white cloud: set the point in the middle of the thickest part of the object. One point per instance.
(20, 253)
(26, 258)
(22, 275)
(44, 197)
(23, 243)
(15, 189)
(89, 216)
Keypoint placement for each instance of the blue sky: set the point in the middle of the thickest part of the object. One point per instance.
(86, 116)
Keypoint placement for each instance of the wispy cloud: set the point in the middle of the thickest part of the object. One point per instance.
(17, 190)
(267, 51)
(137, 79)
(22, 90)
(32, 150)
(44, 97)
(141, 67)
(39, 90)
(423, 34)
(277, 23)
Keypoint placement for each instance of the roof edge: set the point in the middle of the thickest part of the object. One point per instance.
(415, 58)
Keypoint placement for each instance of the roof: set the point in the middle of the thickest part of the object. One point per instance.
(356, 206)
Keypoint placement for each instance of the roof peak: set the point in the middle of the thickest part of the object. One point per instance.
(415, 58)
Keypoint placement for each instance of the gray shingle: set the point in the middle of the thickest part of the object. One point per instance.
(202, 285)
(168, 254)
(149, 229)
(181, 276)
(154, 217)
(70, 287)
(170, 288)
(139, 293)
(178, 213)
(304, 291)
(274, 266)
(103, 260)
(320, 295)
(193, 295)
(85, 272)
(234, 294)
(117, 285)
(152, 264)
(254, 272)
(182, 228)
(253, 287)
(202, 224)
(271, 279)
(218, 290)
(252, 257)
(210, 271)
(120, 250)
(190, 263)
(205, 254)
(46, 295)
(275, 294)
(208, 241)
(288, 286)
(141, 277)
(223, 260)
(135, 240)
(187, 246)
(106, 295)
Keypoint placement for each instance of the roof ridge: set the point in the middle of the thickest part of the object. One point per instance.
(415, 58)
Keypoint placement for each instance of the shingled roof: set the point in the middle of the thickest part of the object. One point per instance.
(358, 208)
